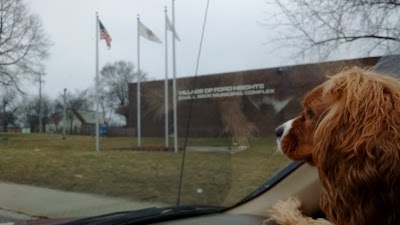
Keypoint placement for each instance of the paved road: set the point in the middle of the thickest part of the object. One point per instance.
(24, 202)
(6, 221)
(10, 216)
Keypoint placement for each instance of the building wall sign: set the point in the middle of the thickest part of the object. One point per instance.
(225, 91)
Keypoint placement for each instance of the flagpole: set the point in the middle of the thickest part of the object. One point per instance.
(166, 81)
(97, 83)
(138, 126)
(174, 97)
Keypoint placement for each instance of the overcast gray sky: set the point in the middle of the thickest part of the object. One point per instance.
(233, 41)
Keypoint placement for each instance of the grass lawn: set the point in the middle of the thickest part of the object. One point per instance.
(74, 165)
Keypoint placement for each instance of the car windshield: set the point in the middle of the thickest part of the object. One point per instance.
(109, 106)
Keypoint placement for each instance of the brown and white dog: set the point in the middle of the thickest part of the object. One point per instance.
(350, 131)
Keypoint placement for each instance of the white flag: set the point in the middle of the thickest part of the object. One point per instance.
(171, 28)
(147, 33)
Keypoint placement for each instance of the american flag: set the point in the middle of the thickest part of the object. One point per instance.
(105, 35)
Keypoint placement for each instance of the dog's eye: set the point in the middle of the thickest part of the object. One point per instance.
(309, 113)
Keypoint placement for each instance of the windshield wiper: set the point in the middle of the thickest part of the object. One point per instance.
(271, 182)
(148, 215)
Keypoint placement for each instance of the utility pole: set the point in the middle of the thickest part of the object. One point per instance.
(40, 103)
(64, 114)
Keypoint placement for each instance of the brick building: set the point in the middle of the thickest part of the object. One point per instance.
(256, 100)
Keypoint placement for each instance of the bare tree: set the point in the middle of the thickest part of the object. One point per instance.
(29, 112)
(317, 28)
(56, 113)
(79, 100)
(8, 109)
(114, 82)
(23, 43)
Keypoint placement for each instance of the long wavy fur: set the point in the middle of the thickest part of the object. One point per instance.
(356, 148)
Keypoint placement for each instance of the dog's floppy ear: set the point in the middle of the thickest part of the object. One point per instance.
(356, 148)
(363, 108)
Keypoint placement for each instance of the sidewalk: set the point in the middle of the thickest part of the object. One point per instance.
(221, 149)
(24, 202)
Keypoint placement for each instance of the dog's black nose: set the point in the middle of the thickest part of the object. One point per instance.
(279, 131)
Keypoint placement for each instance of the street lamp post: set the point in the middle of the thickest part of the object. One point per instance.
(64, 114)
